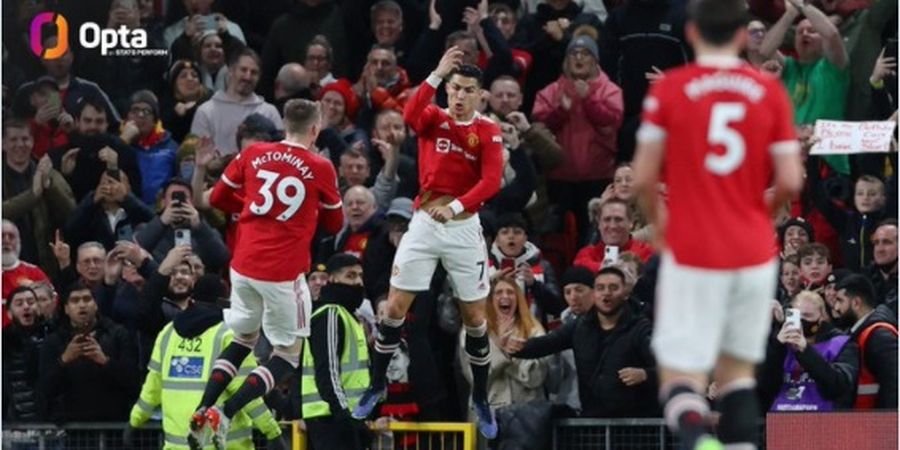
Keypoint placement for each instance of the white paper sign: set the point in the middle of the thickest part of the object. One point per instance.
(841, 138)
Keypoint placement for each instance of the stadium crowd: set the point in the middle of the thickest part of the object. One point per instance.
(107, 162)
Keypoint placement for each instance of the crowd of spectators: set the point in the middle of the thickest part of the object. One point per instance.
(106, 159)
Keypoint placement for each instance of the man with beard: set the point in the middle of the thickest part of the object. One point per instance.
(35, 196)
(168, 291)
(92, 151)
(337, 350)
(21, 342)
(874, 329)
(883, 271)
(611, 346)
(15, 271)
(220, 116)
(88, 369)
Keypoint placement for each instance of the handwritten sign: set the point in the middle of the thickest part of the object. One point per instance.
(837, 138)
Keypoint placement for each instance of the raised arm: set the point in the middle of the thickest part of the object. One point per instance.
(832, 42)
(775, 36)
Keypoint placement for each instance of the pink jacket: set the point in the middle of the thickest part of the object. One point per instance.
(587, 132)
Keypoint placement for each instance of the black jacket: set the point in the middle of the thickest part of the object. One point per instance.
(89, 167)
(89, 222)
(637, 36)
(854, 228)
(548, 54)
(378, 260)
(21, 398)
(836, 381)
(885, 288)
(880, 355)
(84, 391)
(326, 341)
(599, 355)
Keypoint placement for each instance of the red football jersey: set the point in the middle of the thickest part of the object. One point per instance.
(283, 187)
(721, 121)
(462, 160)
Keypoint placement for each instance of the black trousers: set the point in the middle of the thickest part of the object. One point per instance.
(327, 433)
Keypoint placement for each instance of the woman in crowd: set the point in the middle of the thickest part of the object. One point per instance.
(185, 94)
(812, 367)
(339, 108)
(511, 380)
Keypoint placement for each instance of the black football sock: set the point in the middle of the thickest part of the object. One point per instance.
(262, 380)
(478, 349)
(740, 411)
(387, 342)
(224, 370)
(685, 413)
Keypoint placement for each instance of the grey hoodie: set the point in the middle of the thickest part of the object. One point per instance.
(221, 115)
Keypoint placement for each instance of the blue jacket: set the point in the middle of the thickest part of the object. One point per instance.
(157, 165)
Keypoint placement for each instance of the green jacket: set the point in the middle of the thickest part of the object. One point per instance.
(178, 371)
(57, 198)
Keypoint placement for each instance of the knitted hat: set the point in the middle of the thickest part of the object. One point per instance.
(209, 289)
(180, 66)
(586, 43)
(796, 222)
(147, 97)
(512, 220)
(343, 87)
(339, 261)
(577, 275)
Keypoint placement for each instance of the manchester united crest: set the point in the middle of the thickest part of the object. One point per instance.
(472, 140)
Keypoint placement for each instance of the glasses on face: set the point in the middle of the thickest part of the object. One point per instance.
(140, 111)
(757, 32)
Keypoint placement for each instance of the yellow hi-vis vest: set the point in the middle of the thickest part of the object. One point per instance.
(177, 374)
(354, 366)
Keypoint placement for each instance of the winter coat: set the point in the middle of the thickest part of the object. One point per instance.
(157, 164)
(880, 355)
(84, 391)
(158, 239)
(599, 355)
(42, 215)
(510, 380)
(291, 33)
(21, 398)
(592, 255)
(548, 53)
(220, 116)
(638, 36)
(88, 165)
(587, 131)
(89, 222)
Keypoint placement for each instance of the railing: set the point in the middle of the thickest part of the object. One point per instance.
(797, 431)
(108, 436)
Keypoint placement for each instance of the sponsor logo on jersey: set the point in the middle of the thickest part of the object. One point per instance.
(186, 367)
(442, 145)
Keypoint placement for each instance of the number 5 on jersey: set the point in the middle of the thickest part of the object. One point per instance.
(720, 133)
(290, 192)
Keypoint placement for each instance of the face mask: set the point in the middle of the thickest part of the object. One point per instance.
(187, 171)
(809, 328)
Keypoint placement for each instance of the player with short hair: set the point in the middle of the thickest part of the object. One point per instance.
(282, 190)
(460, 164)
(723, 131)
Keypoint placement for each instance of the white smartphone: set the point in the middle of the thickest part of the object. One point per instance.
(792, 317)
(183, 237)
(611, 254)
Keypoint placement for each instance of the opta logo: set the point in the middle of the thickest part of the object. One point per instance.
(62, 35)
